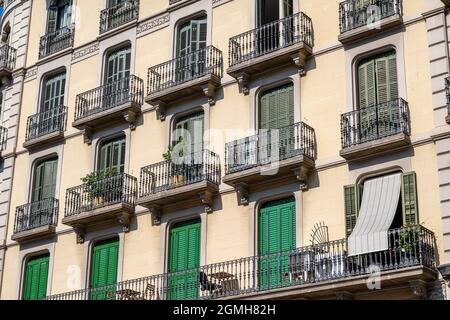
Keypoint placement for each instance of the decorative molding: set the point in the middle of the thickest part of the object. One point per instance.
(216, 3)
(84, 52)
(31, 73)
(152, 25)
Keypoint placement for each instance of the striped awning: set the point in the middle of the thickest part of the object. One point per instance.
(378, 207)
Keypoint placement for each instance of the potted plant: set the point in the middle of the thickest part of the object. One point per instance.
(94, 185)
(174, 155)
(408, 242)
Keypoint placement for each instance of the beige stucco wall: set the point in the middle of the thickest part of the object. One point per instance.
(322, 100)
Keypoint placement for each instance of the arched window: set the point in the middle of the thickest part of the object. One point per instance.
(36, 277)
(377, 79)
(59, 15)
(44, 180)
(112, 155)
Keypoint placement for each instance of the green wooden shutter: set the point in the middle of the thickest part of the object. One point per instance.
(52, 14)
(35, 278)
(409, 199)
(352, 199)
(53, 95)
(104, 263)
(184, 246)
(277, 108)
(44, 183)
(112, 155)
(276, 236)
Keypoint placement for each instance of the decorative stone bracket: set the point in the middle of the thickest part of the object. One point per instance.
(242, 191)
(243, 80)
(80, 232)
(124, 219)
(419, 288)
(130, 117)
(302, 176)
(160, 108)
(300, 62)
(87, 135)
(210, 91)
(207, 199)
(156, 213)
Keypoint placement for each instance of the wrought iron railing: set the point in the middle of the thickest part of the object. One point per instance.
(271, 37)
(354, 13)
(43, 123)
(3, 138)
(182, 69)
(36, 214)
(269, 146)
(171, 2)
(376, 122)
(126, 90)
(185, 170)
(117, 189)
(7, 57)
(113, 17)
(408, 247)
(447, 92)
(56, 41)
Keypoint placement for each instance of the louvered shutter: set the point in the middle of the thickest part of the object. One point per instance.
(112, 155)
(52, 15)
(38, 182)
(352, 196)
(184, 255)
(409, 199)
(35, 278)
(49, 179)
(105, 255)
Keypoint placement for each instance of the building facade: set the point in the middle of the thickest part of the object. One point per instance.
(225, 149)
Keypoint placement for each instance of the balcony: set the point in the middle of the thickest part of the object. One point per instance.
(36, 220)
(118, 101)
(375, 130)
(196, 74)
(3, 138)
(284, 155)
(176, 184)
(360, 19)
(56, 41)
(46, 127)
(109, 200)
(7, 61)
(447, 93)
(118, 15)
(314, 272)
(289, 40)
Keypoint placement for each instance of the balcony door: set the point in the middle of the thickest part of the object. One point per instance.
(271, 35)
(104, 262)
(35, 278)
(59, 15)
(112, 155)
(49, 119)
(276, 240)
(117, 78)
(277, 112)
(377, 96)
(191, 39)
(184, 260)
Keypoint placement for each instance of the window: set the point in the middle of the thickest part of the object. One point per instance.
(276, 234)
(272, 10)
(184, 254)
(58, 15)
(191, 36)
(53, 92)
(377, 80)
(44, 181)
(406, 213)
(190, 129)
(118, 64)
(35, 278)
(112, 155)
(104, 262)
(277, 108)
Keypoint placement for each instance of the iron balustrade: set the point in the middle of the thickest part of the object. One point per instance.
(126, 90)
(36, 214)
(269, 146)
(171, 2)
(195, 167)
(120, 14)
(206, 61)
(56, 41)
(407, 247)
(3, 138)
(271, 37)
(121, 188)
(7, 57)
(447, 91)
(43, 123)
(376, 122)
(354, 13)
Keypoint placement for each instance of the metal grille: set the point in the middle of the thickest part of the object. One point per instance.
(56, 41)
(7, 57)
(43, 123)
(36, 214)
(118, 15)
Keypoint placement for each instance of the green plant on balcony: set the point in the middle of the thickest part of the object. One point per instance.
(174, 155)
(97, 184)
(408, 240)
